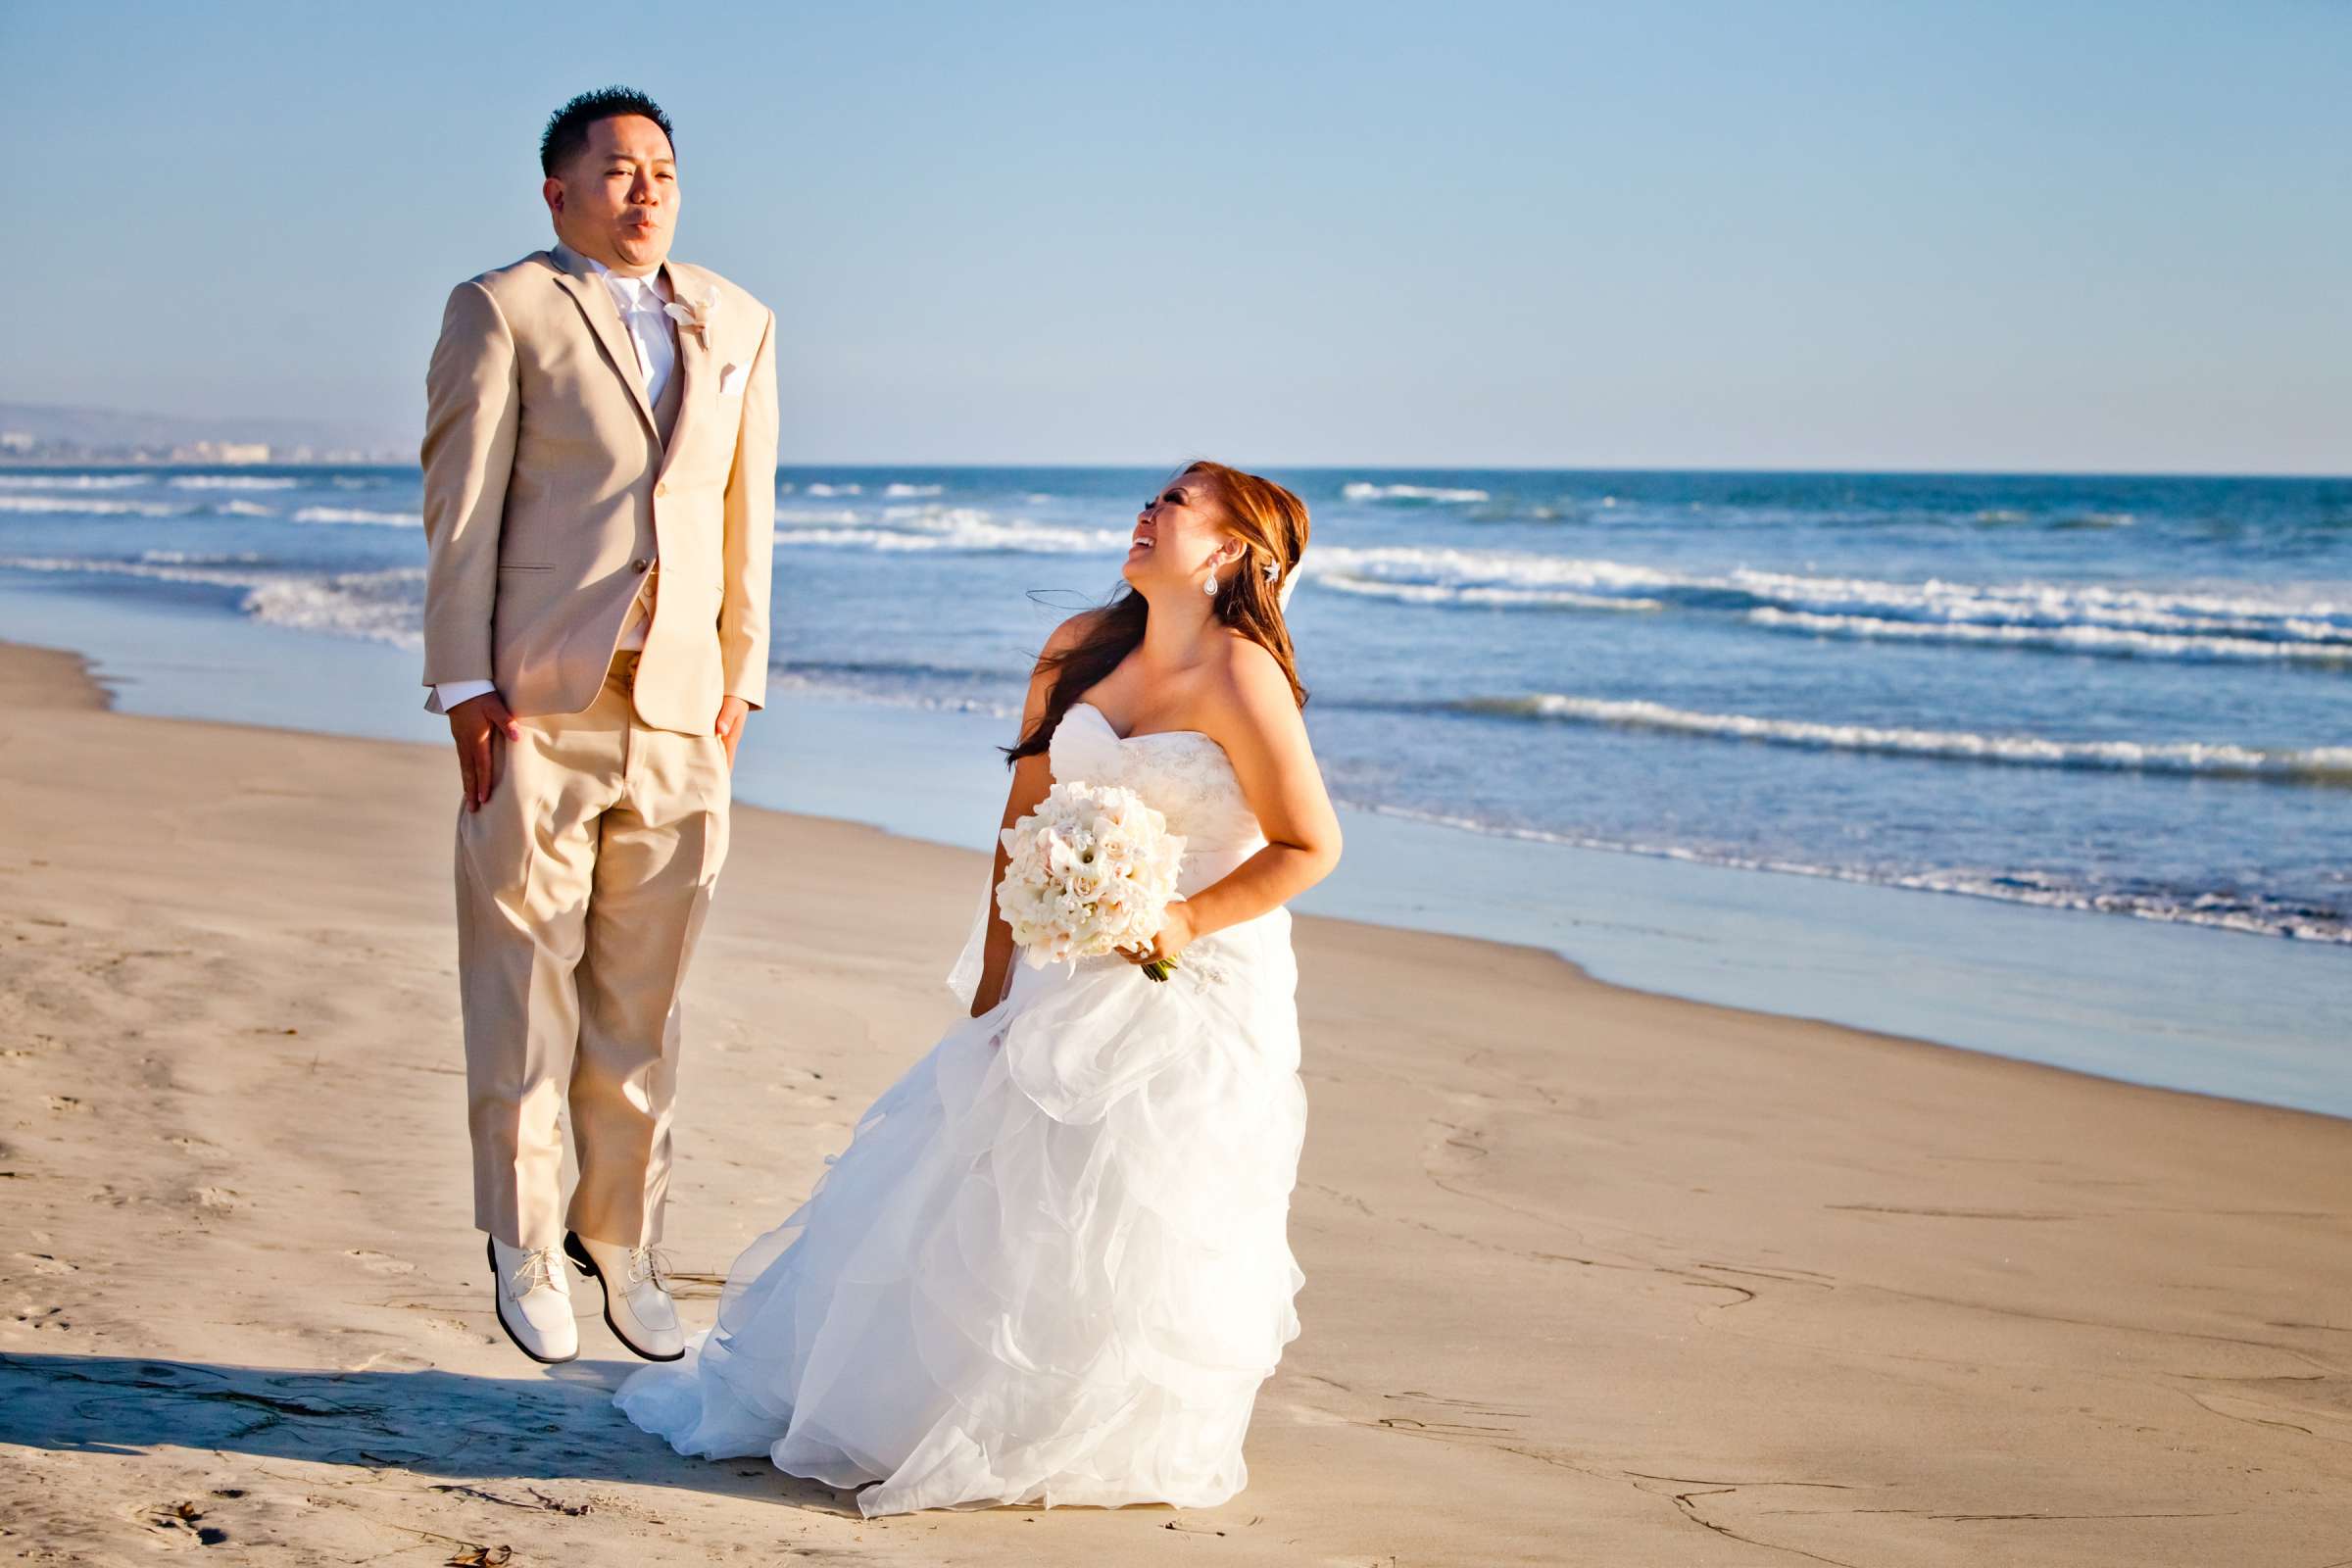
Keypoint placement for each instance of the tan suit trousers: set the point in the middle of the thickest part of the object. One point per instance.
(582, 885)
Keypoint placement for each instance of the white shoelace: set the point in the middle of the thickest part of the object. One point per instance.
(537, 1268)
(645, 1263)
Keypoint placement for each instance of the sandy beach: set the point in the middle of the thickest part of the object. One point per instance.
(1593, 1276)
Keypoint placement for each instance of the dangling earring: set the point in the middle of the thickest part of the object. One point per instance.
(1211, 587)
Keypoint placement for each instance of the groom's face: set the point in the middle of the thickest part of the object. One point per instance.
(618, 200)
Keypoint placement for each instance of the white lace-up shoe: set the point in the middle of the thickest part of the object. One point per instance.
(534, 1302)
(637, 1304)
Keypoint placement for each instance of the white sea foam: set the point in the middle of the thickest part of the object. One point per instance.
(2112, 642)
(1422, 593)
(836, 489)
(908, 491)
(970, 529)
(380, 605)
(359, 514)
(244, 508)
(233, 482)
(94, 505)
(72, 481)
(821, 685)
(163, 569)
(2319, 764)
(1444, 574)
(2008, 517)
(384, 606)
(1363, 490)
(976, 536)
(2205, 909)
(2037, 603)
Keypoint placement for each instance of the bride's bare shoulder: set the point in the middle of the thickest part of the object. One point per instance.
(1252, 690)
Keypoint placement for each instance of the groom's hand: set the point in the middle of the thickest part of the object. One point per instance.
(729, 728)
(481, 726)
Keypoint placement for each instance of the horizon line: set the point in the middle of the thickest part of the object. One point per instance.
(1793, 470)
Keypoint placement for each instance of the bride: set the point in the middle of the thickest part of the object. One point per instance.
(1051, 1265)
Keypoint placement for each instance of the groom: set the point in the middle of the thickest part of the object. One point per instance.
(599, 464)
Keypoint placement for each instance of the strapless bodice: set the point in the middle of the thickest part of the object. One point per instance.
(1186, 778)
(1181, 773)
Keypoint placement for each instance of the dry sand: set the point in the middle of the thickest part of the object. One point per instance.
(1594, 1277)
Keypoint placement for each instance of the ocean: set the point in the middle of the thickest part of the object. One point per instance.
(2121, 698)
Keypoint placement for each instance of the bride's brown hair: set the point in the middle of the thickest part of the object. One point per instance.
(1271, 524)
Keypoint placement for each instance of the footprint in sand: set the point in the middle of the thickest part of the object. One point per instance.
(183, 1519)
(43, 1263)
(380, 1263)
(447, 1328)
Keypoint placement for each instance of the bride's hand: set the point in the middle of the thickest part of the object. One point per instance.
(1175, 934)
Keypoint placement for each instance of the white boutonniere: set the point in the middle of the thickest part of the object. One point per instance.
(694, 316)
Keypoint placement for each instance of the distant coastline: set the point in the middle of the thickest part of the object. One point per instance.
(195, 457)
(39, 434)
(405, 457)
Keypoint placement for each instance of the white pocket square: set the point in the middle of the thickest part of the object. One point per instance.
(730, 379)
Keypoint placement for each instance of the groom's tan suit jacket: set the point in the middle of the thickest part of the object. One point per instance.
(553, 486)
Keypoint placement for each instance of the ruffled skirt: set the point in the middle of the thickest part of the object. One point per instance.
(1051, 1267)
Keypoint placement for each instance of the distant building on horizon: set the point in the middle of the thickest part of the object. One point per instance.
(48, 434)
(222, 451)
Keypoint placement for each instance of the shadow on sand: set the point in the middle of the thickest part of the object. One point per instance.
(559, 1426)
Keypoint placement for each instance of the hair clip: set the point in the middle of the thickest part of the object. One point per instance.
(1273, 569)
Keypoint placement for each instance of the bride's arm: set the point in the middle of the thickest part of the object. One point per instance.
(1266, 739)
(1032, 779)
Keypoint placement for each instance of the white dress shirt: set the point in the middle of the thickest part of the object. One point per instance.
(639, 301)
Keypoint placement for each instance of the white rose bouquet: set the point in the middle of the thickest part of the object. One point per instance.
(1092, 870)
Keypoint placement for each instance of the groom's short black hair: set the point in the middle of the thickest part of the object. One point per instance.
(566, 135)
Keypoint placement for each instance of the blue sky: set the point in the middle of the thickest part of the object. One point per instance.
(1802, 235)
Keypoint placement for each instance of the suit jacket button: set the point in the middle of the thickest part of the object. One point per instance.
(641, 565)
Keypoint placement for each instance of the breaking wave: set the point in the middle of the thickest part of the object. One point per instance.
(359, 514)
(1440, 495)
(386, 606)
(2319, 764)
(2067, 618)
(972, 529)
(2252, 914)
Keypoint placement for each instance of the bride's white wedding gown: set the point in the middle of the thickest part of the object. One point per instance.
(1052, 1266)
